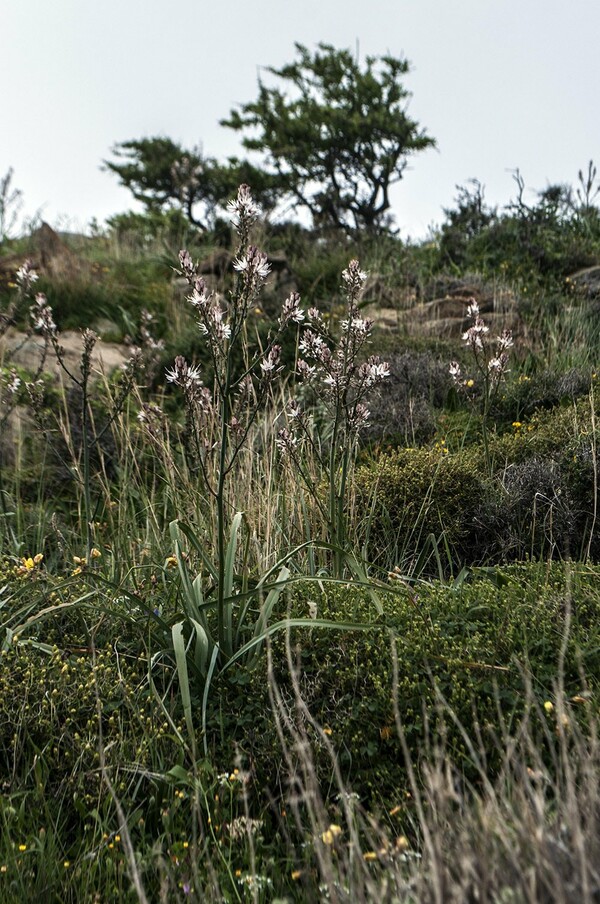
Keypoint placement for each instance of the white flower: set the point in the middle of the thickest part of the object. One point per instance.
(312, 345)
(254, 264)
(269, 363)
(473, 309)
(13, 383)
(505, 341)
(286, 442)
(354, 277)
(183, 375)
(291, 310)
(357, 326)
(243, 210)
(305, 371)
(26, 276)
(214, 325)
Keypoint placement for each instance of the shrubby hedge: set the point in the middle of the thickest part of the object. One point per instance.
(465, 655)
(533, 496)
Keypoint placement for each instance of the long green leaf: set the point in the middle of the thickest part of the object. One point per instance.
(230, 554)
(178, 527)
(183, 676)
(298, 623)
(357, 569)
(267, 609)
(207, 684)
(228, 579)
(202, 648)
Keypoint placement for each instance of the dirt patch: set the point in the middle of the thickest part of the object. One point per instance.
(22, 350)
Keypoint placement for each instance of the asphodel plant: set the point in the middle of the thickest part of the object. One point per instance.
(220, 420)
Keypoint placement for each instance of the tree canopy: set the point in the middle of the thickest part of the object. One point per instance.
(337, 135)
(161, 174)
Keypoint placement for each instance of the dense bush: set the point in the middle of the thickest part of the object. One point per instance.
(477, 647)
(413, 493)
(418, 384)
(535, 496)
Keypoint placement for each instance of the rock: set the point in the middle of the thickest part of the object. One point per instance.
(25, 351)
(49, 256)
(586, 282)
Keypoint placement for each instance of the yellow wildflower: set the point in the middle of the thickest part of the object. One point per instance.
(330, 834)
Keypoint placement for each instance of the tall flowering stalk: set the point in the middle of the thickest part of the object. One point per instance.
(235, 399)
(334, 369)
(491, 365)
(42, 323)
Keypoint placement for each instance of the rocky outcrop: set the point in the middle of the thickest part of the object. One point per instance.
(586, 282)
(23, 350)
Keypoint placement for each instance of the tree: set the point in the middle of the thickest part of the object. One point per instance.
(163, 175)
(337, 135)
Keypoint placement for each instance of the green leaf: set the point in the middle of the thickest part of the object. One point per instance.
(180, 650)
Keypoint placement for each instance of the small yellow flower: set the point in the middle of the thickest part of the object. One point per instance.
(369, 855)
(67, 864)
(171, 562)
(548, 706)
(38, 558)
(95, 553)
(186, 845)
(117, 837)
(3, 868)
(401, 843)
(328, 731)
(296, 873)
(76, 571)
(238, 872)
(330, 834)
(517, 424)
(470, 383)
(395, 810)
(28, 563)
(22, 847)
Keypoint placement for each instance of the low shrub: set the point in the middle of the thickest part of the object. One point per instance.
(465, 657)
(413, 493)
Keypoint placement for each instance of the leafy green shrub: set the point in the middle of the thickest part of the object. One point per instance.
(522, 397)
(477, 647)
(538, 499)
(118, 293)
(54, 718)
(412, 493)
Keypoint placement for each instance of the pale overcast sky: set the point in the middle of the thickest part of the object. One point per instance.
(500, 84)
